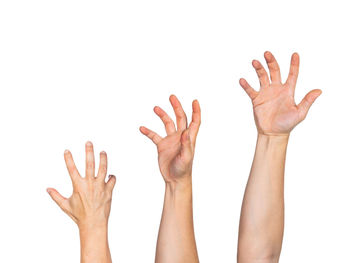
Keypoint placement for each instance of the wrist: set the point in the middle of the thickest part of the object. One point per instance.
(92, 226)
(272, 143)
(178, 194)
(93, 233)
(181, 185)
(274, 138)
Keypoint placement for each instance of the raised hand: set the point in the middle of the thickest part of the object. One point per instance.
(90, 203)
(275, 111)
(176, 240)
(176, 150)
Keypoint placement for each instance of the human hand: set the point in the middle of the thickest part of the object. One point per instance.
(176, 150)
(275, 111)
(90, 204)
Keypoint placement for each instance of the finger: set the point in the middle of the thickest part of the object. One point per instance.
(150, 134)
(89, 160)
(111, 183)
(102, 169)
(262, 74)
(196, 121)
(186, 148)
(307, 101)
(294, 70)
(168, 122)
(273, 66)
(61, 201)
(72, 169)
(181, 119)
(252, 93)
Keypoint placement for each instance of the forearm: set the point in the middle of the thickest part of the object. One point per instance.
(94, 244)
(262, 214)
(176, 241)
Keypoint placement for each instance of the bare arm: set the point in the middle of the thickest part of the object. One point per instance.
(176, 241)
(89, 206)
(276, 114)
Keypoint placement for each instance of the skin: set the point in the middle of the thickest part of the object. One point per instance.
(176, 241)
(276, 114)
(89, 206)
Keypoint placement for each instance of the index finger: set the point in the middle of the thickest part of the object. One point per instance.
(72, 169)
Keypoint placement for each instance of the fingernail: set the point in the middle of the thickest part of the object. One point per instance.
(48, 190)
(66, 151)
(88, 143)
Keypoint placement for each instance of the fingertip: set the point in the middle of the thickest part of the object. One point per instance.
(158, 111)
(174, 101)
(255, 63)
(267, 54)
(66, 152)
(295, 58)
(112, 179)
(244, 84)
(143, 130)
(312, 96)
(317, 93)
(51, 191)
(88, 144)
(103, 153)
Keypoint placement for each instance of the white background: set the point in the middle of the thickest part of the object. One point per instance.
(72, 71)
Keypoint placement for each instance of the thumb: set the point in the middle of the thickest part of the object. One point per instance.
(58, 198)
(186, 148)
(307, 101)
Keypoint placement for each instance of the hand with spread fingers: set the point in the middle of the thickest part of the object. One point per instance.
(276, 114)
(275, 111)
(176, 150)
(176, 240)
(90, 204)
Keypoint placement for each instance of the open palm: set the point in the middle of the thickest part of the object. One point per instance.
(176, 150)
(275, 110)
